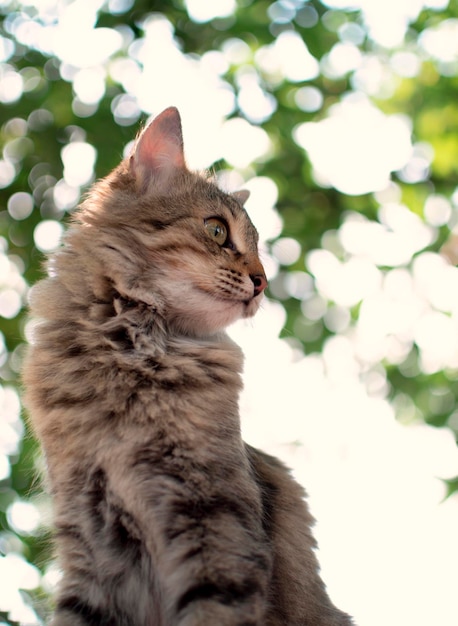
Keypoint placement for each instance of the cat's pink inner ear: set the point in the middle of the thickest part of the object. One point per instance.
(159, 149)
(241, 196)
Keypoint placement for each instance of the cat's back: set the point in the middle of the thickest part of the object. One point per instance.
(297, 594)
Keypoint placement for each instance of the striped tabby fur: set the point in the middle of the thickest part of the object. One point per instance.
(163, 516)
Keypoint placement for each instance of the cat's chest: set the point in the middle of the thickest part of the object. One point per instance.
(201, 379)
(178, 363)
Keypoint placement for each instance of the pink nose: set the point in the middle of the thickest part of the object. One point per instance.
(259, 282)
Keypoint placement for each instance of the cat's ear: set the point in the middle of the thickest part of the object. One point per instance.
(158, 152)
(241, 196)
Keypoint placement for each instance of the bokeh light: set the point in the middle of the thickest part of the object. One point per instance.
(47, 235)
(203, 11)
(356, 148)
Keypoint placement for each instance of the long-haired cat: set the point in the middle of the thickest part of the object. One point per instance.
(163, 516)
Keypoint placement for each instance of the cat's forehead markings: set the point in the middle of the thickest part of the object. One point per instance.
(243, 234)
(233, 210)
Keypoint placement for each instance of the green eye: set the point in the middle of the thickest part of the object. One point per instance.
(217, 230)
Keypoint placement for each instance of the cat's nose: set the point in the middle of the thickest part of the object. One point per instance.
(259, 282)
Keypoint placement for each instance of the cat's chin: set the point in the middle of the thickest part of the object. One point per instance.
(251, 307)
(211, 315)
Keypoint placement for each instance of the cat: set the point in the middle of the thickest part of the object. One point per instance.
(162, 515)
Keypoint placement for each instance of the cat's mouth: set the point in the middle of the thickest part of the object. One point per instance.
(253, 299)
(251, 305)
(246, 302)
(228, 296)
(237, 307)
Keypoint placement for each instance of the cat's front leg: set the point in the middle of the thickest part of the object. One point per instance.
(222, 616)
(81, 614)
(64, 619)
(217, 564)
(202, 525)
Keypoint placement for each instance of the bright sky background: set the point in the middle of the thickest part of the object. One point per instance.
(388, 544)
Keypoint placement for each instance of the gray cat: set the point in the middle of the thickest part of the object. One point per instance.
(163, 516)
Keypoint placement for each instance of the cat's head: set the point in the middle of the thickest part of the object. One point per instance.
(172, 239)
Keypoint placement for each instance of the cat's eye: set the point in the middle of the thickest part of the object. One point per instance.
(217, 230)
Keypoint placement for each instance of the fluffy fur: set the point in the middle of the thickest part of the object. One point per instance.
(163, 516)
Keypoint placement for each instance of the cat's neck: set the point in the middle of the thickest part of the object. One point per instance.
(97, 360)
(121, 327)
(147, 333)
